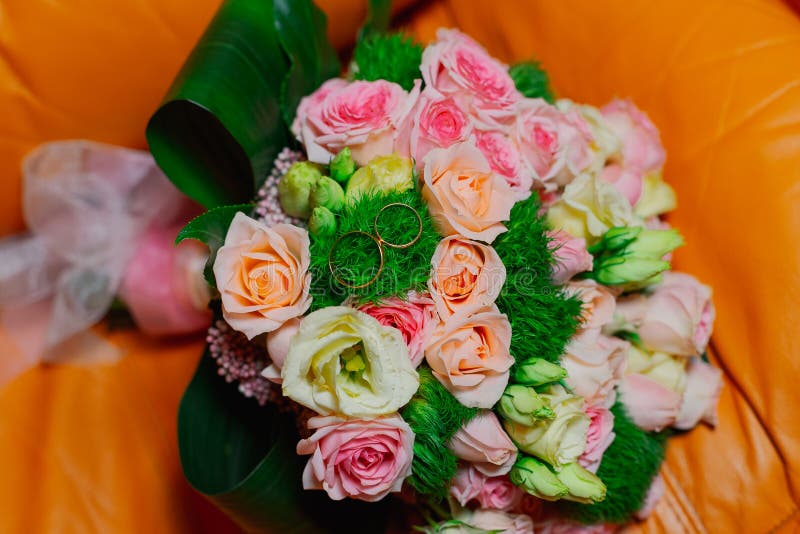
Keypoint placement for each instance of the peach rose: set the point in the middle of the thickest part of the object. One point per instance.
(599, 438)
(466, 276)
(470, 356)
(360, 459)
(641, 144)
(703, 387)
(598, 303)
(570, 254)
(595, 364)
(676, 318)
(485, 445)
(457, 65)
(650, 405)
(504, 159)
(262, 275)
(439, 123)
(555, 145)
(367, 117)
(463, 195)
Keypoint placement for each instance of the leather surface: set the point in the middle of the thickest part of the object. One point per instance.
(93, 449)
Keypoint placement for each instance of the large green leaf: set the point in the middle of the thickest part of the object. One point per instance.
(242, 457)
(222, 122)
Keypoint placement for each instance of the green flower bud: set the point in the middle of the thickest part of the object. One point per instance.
(583, 485)
(327, 193)
(523, 405)
(632, 270)
(294, 189)
(322, 222)
(616, 239)
(632, 257)
(343, 166)
(536, 477)
(655, 243)
(382, 174)
(536, 371)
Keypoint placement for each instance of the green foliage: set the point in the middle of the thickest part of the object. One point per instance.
(628, 468)
(434, 415)
(532, 80)
(210, 228)
(356, 258)
(394, 57)
(543, 318)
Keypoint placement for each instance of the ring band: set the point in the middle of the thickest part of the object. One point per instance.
(402, 205)
(340, 280)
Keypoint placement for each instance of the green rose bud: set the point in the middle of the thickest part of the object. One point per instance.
(536, 477)
(523, 405)
(294, 189)
(632, 257)
(382, 174)
(583, 485)
(536, 371)
(343, 166)
(327, 193)
(322, 222)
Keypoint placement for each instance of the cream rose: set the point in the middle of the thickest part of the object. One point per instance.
(558, 441)
(262, 275)
(470, 356)
(463, 195)
(466, 276)
(341, 361)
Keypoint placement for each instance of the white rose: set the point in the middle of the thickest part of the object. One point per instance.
(343, 362)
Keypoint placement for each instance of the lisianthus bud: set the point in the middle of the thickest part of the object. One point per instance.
(537, 371)
(382, 174)
(294, 189)
(322, 222)
(632, 257)
(327, 193)
(536, 477)
(583, 486)
(343, 166)
(523, 405)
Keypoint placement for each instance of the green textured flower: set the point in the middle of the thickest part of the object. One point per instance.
(382, 174)
(327, 193)
(294, 189)
(342, 166)
(322, 222)
(536, 478)
(523, 405)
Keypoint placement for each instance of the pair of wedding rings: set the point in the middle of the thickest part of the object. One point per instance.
(379, 242)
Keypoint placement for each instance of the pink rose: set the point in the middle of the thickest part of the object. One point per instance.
(654, 494)
(457, 65)
(598, 303)
(499, 493)
(703, 387)
(599, 437)
(414, 317)
(466, 276)
(463, 195)
(262, 275)
(626, 180)
(504, 159)
(595, 365)
(366, 116)
(650, 405)
(497, 521)
(278, 347)
(470, 356)
(483, 442)
(676, 318)
(555, 145)
(641, 144)
(360, 459)
(467, 484)
(439, 123)
(570, 254)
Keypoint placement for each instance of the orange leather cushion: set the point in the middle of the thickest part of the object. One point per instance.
(94, 449)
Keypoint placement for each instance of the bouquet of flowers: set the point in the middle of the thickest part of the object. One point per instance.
(457, 289)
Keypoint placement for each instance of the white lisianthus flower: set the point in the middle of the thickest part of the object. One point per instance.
(344, 362)
(557, 441)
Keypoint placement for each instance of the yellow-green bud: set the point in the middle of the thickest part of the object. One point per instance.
(294, 189)
(583, 486)
(327, 193)
(382, 174)
(523, 405)
(632, 257)
(536, 477)
(343, 166)
(537, 371)
(322, 222)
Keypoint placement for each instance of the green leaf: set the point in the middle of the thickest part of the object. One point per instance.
(224, 120)
(378, 17)
(211, 228)
(532, 80)
(242, 457)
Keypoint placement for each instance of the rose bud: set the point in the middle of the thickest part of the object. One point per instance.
(342, 166)
(537, 371)
(294, 189)
(523, 405)
(536, 477)
(322, 222)
(583, 485)
(327, 193)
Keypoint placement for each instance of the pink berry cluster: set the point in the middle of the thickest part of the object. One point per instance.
(268, 207)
